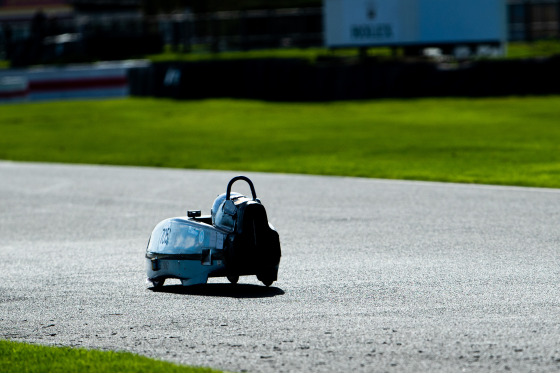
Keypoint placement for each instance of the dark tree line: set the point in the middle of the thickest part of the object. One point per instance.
(204, 6)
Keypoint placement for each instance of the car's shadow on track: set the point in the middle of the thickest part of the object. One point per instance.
(239, 291)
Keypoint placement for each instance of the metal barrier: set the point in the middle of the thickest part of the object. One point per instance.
(101, 80)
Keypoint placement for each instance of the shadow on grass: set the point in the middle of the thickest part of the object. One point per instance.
(238, 291)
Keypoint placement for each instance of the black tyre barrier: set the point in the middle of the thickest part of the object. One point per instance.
(300, 80)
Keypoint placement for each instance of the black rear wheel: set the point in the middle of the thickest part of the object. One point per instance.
(233, 279)
(267, 279)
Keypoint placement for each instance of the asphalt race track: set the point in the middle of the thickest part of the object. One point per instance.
(375, 275)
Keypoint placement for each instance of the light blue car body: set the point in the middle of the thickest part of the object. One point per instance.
(185, 249)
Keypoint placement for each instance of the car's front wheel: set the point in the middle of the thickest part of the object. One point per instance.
(157, 283)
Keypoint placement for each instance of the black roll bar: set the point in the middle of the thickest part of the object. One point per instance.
(240, 177)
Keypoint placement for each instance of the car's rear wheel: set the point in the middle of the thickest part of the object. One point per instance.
(233, 279)
(266, 279)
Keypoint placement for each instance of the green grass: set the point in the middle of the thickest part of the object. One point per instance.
(310, 54)
(540, 48)
(515, 50)
(510, 141)
(27, 358)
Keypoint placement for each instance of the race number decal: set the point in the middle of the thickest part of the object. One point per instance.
(165, 236)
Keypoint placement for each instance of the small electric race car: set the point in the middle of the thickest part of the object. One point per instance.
(236, 239)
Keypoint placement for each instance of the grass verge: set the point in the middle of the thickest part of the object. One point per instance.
(510, 141)
(515, 50)
(28, 358)
(539, 48)
(310, 54)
